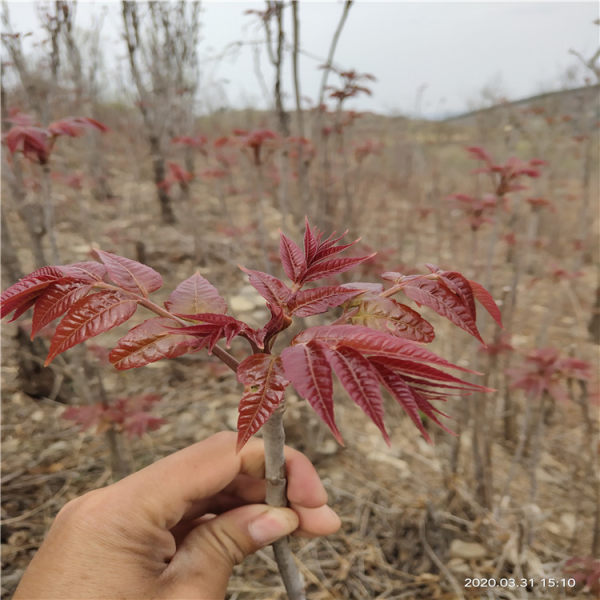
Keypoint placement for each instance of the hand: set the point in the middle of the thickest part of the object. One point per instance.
(176, 528)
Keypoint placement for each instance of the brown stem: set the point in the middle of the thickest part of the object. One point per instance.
(275, 475)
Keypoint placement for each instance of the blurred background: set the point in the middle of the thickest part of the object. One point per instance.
(185, 135)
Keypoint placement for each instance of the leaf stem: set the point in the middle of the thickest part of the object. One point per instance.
(275, 475)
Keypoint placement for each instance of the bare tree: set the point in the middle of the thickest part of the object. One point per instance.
(161, 43)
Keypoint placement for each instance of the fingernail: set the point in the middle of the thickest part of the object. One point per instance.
(271, 525)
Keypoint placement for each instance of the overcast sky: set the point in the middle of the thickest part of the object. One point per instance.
(450, 50)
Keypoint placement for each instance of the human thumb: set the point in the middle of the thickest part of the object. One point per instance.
(209, 552)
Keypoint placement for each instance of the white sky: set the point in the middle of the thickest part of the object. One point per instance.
(454, 48)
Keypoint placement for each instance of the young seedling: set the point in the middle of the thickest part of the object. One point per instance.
(376, 342)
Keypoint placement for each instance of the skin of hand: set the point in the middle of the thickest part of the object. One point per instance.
(176, 528)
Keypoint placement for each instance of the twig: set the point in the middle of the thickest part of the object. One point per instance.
(436, 561)
(41, 506)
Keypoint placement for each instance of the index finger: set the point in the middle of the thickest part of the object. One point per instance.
(165, 490)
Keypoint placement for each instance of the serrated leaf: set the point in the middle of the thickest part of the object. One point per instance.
(311, 243)
(429, 373)
(327, 248)
(24, 307)
(54, 301)
(195, 295)
(333, 267)
(148, 342)
(459, 285)
(27, 288)
(292, 258)
(371, 342)
(269, 287)
(307, 368)
(129, 274)
(402, 393)
(385, 314)
(359, 379)
(89, 317)
(318, 300)
(213, 327)
(487, 301)
(437, 296)
(264, 388)
(430, 411)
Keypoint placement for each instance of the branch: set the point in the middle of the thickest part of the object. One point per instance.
(334, 42)
(275, 475)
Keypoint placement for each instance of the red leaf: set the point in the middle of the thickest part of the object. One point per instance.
(264, 387)
(385, 314)
(359, 379)
(268, 286)
(89, 317)
(85, 272)
(327, 247)
(27, 288)
(85, 416)
(480, 154)
(372, 342)
(459, 285)
(179, 174)
(195, 295)
(75, 126)
(148, 342)
(437, 296)
(412, 368)
(307, 368)
(430, 411)
(292, 258)
(54, 301)
(486, 300)
(333, 267)
(213, 328)
(140, 422)
(23, 308)
(32, 141)
(312, 302)
(311, 243)
(403, 394)
(278, 322)
(130, 274)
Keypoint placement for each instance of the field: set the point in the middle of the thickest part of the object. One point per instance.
(513, 497)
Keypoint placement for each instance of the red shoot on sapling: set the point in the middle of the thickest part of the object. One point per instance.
(36, 143)
(375, 343)
(128, 415)
(376, 340)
